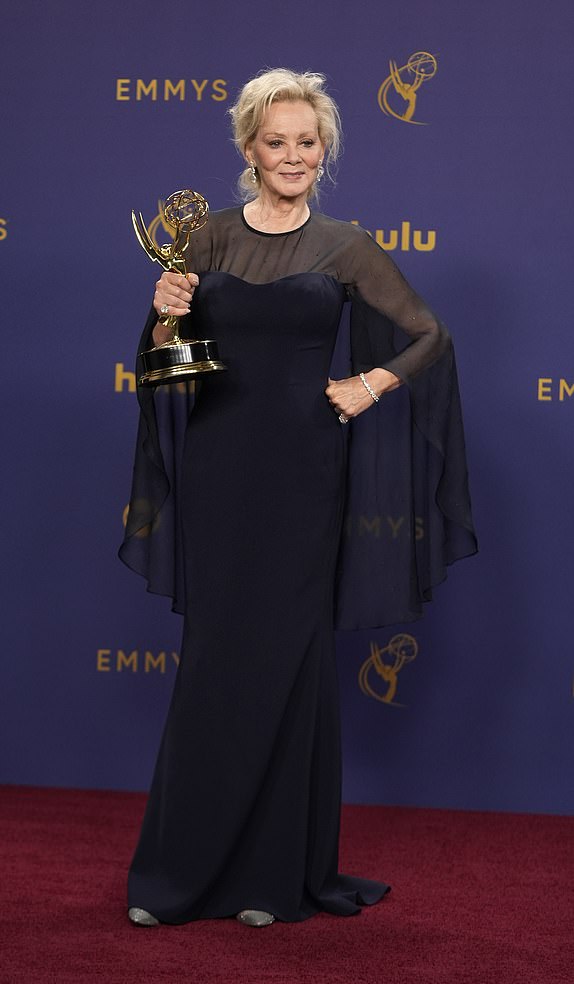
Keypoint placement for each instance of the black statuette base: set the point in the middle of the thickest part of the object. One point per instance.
(175, 362)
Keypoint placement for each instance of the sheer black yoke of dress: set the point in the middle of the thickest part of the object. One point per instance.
(338, 249)
(249, 508)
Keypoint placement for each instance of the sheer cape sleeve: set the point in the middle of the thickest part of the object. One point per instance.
(152, 544)
(407, 510)
(407, 503)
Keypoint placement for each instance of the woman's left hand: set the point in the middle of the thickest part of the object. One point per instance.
(350, 397)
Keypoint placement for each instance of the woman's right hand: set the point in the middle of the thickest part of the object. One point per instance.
(175, 291)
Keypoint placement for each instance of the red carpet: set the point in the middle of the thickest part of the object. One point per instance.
(477, 898)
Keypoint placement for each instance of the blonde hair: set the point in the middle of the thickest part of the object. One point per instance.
(283, 85)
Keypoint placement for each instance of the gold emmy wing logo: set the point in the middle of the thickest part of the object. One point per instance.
(397, 95)
(379, 674)
(158, 222)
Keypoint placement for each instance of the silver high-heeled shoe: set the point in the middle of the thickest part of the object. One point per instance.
(255, 917)
(140, 917)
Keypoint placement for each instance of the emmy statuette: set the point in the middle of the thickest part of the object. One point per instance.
(179, 358)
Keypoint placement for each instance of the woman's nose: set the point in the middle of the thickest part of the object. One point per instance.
(292, 155)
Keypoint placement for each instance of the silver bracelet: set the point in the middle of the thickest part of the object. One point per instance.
(368, 388)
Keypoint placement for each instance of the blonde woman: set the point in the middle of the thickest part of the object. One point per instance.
(243, 814)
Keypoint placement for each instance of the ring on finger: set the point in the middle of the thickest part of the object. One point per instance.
(164, 309)
(343, 419)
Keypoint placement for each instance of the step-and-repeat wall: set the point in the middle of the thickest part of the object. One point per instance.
(458, 160)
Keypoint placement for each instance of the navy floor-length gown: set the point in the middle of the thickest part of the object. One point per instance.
(244, 517)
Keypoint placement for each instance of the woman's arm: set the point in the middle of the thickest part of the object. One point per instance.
(372, 277)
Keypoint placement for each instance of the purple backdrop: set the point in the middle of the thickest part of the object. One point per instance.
(482, 710)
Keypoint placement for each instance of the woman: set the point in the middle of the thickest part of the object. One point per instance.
(243, 815)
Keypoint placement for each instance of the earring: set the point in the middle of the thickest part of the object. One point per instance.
(320, 170)
(253, 172)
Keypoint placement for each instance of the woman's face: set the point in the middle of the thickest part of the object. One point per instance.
(287, 150)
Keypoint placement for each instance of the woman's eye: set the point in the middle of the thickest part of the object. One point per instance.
(274, 143)
(308, 143)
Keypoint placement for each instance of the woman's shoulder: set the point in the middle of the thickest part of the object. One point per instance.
(350, 247)
(347, 241)
(222, 217)
(344, 231)
(222, 224)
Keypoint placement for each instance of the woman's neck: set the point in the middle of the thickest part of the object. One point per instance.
(281, 215)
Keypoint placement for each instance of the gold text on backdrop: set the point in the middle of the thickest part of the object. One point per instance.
(379, 527)
(134, 661)
(390, 240)
(164, 90)
(554, 389)
(125, 382)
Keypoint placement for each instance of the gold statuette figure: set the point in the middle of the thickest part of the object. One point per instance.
(179, 358)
